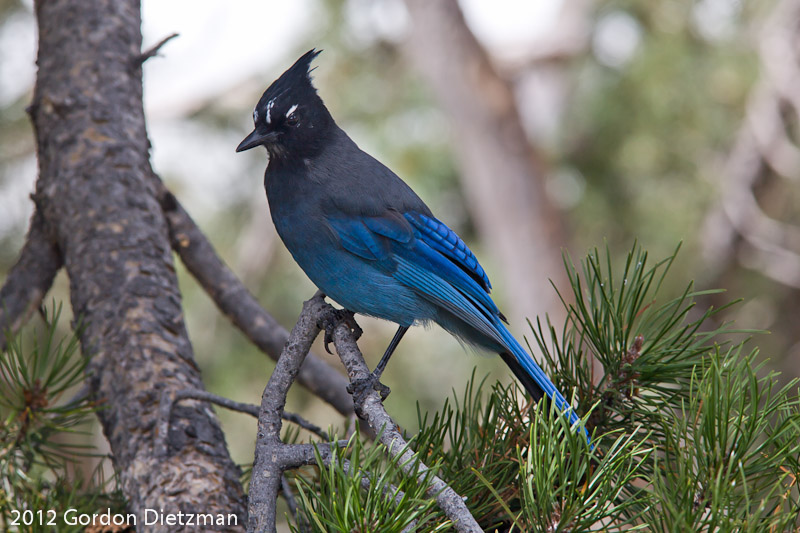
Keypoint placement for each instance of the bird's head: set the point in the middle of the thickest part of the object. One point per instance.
(290, 118)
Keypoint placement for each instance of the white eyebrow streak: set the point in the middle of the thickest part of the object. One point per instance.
(291, 110)
(269, 109)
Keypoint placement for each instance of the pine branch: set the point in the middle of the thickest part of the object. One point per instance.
(39, 468)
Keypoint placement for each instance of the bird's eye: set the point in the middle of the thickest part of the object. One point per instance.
(293, 119)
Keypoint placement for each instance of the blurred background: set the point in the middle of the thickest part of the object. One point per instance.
(529, 127)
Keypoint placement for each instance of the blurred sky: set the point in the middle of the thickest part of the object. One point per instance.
(222, 44)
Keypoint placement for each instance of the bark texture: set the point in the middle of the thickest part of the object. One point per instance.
(29, 279)
(96, 196)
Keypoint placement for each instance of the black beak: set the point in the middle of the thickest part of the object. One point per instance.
(256, 138)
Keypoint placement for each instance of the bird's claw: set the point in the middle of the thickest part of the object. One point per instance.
(328, 337)
(360, 387)
(336, 317)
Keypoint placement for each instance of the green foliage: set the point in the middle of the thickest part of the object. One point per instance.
(566, 488)
(336, 499)
(686, 435)
(37, 459)
(647, 348)
(522, 468)
(729, 457)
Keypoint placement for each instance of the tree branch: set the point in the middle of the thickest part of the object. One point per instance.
(240, 306)
(273, 457)
(762, 144)
(372, 410)
(167, 404)
(29, 279)
(153, 50)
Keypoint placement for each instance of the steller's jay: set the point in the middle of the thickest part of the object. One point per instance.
(366, 239)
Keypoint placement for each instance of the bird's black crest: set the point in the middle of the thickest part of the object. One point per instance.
(297, 78)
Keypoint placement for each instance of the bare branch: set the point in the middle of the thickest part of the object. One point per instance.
(153, 50)
(779, 52)
(272, 457)
(766, 122)
(168, 403)
(305, 424)
(372, 409)
(770, 241)
(240, 306)
(29, 279)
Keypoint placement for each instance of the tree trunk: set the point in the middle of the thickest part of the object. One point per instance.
(502, 178)
(95, 193)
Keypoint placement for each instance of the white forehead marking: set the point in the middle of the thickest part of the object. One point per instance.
(269, 110)
(255, 115)
(291, 110)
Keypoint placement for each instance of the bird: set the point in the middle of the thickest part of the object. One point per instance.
(365, 238)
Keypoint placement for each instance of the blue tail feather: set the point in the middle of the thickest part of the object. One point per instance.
(538, 375)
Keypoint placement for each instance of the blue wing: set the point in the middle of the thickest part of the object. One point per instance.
(424, 254)
(444, 240)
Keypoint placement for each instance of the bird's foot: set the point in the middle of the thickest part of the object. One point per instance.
(359, 388)
(336, 317)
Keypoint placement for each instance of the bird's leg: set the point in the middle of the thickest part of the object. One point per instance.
(389, 351)
(359, 387)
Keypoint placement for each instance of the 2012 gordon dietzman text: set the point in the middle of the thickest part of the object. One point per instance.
(148, 517)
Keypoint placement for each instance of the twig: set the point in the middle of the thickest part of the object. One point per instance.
(372, 409)
(272, 457)
(168, 404)
(29, 279)
(153, 50)
(305, 424)
(240, 306)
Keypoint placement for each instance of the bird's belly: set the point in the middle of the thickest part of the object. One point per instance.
(357, 284)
